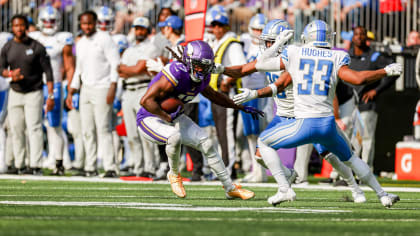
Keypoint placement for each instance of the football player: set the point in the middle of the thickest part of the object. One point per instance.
(184, 79)
(59, 48)
(314, 70)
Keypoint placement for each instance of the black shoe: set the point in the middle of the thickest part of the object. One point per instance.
(340, 183)
(147, 175)
(195, 178)
(11, 170)
(37, 171)
(326, 181)
(59, 168)
(25, 171)
(110, 174)
(127, 169)
(91, 173)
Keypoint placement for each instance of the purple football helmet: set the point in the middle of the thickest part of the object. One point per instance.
(198, 57)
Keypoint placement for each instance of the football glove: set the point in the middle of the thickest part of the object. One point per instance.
(393, 69)
(245, 96)
(218, 69)
(253, 111)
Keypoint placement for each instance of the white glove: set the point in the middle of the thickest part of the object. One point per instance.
(218, 69)
(393, 69)
(153, 65)
(245, 96)
(281, 39)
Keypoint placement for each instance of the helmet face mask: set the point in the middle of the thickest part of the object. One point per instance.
(49, 20)
(318, 34)
(270, 32)
(198, 56)
(105, 18)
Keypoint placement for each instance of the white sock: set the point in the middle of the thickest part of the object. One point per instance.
(364, 173)
(173, 150)
(215, 162)
(344, 171)
(273, 162)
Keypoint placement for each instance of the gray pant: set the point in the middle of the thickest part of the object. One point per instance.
(95, 115)
(141, 150)
(75, 128)
(25, 112)
(370, 118)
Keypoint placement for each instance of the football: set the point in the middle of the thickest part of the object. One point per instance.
(171, 104)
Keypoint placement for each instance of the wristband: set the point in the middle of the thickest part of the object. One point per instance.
(273, 89)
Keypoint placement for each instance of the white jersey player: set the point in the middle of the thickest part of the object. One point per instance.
(314, 69)
(59, 48)
(285, 110)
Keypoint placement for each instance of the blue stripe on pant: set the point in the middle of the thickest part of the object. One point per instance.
(294, 132)
(54, 116)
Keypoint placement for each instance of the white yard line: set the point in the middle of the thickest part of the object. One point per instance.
(214, 219)
(171, 207)
(112, 204)
(214, 183)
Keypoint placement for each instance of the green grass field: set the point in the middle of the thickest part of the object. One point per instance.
(33, 207)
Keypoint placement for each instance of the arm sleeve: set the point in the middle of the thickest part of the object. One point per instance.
(75, 82)
(45, 62)
(113, 57)
(3, 60)
(386, 82)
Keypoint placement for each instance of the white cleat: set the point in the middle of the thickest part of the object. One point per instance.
(389, 199)
(280, 197)
(358, 197)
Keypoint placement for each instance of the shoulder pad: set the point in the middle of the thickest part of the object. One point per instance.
(65, 38)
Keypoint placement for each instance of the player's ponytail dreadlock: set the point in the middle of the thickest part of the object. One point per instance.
(177, 55)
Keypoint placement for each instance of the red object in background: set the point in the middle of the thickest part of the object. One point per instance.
(120, 128)
(195, 18)
(407, 160)
(325, 171)
(190, 165)
(386, 6)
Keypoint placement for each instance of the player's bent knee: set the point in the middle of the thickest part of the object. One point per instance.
(174, 139)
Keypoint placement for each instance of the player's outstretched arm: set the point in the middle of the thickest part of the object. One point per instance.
(278, 86)
(364, 77)
(223, 100)
(240, 70)
(157, 92)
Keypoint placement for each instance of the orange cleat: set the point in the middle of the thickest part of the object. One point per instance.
(176, 185)
(238, 192)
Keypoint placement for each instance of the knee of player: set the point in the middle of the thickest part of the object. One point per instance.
(206, 146)
(174, 139)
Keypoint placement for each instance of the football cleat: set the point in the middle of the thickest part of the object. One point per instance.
(239, 192)
(389, 199)
(176, 185)
(358, 197)
(280, 197)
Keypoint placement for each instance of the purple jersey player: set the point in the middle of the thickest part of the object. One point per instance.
(184, 80)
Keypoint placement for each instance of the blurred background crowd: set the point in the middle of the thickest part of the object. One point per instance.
(392, 29)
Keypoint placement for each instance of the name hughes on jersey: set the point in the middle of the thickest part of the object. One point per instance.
(315, 52)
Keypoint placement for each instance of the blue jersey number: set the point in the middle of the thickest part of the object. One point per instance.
(323, 86)
(271, 79)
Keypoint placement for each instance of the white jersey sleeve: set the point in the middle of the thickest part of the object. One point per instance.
(314, 74)
(4, 38)
(65, 38)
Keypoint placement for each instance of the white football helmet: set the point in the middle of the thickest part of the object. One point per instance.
(257, 22)
(270, 32)
(105, 18)
(49, 20)
(318, 34)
